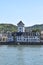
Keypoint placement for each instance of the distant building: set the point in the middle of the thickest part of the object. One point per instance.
(41, 36)
(6, 37)
(23, 36)
(21, 27)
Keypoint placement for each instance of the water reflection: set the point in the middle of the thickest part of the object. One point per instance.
(20, 59)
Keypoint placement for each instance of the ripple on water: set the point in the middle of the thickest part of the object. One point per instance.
(21, 55)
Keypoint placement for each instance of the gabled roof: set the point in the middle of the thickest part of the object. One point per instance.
(20, 23)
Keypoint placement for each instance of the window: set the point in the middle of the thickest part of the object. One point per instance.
(27, 39)
(20, 28)
(18, 39)
(24, 39)
(0, 39)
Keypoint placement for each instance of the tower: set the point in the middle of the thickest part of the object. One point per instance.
(21, 27)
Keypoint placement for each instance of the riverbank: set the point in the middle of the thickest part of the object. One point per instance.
(21, 43)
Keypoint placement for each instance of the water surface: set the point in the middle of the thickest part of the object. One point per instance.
(21, 55)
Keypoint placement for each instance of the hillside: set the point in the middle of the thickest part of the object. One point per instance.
(34, 27)
(8, 27)
(13, 28)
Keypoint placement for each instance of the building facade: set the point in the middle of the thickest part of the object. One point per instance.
(41, 36)
(23, 36)
(6, 37)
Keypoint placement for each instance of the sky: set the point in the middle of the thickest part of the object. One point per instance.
(28, 11)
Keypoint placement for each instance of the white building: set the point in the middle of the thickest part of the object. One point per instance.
(22, 36)
(21, 27)
(41, 36)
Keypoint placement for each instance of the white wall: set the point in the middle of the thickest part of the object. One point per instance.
(21, 29)
(23, 39)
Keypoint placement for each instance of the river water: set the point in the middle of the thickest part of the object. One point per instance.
(21, 55)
